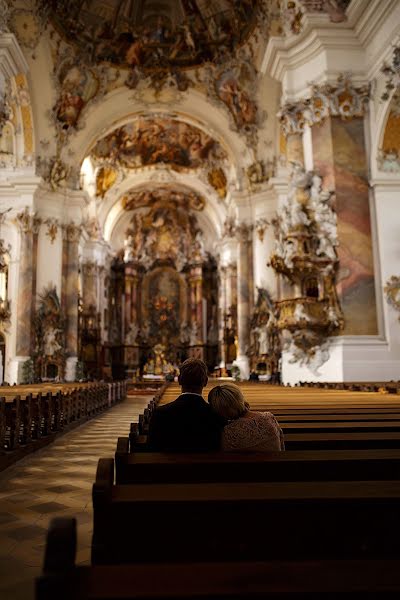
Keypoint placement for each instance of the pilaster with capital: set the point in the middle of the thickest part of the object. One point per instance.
(245, 300)
(196, 300)
(70, 284)
(28, 225)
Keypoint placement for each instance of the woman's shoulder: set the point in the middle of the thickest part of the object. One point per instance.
(251, 430)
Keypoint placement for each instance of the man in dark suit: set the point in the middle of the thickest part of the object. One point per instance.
(188, 424)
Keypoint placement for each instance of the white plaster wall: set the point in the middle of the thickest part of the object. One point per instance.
(264, 276)
(49, 261)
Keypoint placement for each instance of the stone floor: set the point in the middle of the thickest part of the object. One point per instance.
(55, 481)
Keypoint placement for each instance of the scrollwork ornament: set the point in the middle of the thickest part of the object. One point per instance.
(5, 16)
(392, 74)
(52, 229)
(342, 100)
(392, 292)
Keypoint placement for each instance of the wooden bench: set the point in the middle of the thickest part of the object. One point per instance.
(243, 521)
(31, 416)
(274, 580)
(341, 465)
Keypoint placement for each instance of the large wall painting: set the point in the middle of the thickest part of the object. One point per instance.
(339, 150)
(150, 141)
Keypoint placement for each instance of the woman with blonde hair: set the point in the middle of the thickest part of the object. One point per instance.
(246, 429)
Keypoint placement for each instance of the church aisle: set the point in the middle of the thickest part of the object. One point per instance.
(54, 482)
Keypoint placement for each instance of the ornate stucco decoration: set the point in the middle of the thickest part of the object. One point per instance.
(392, 292)
(389, 153)
(217, 179)
(5, 16)
(55, 172)
(292, 12)
(229, 228)
(305, 253)
(341, 100)
(5, 105)
(93, 229)
(52, 229)
(233, 83)
(28, 222)
(164, 228)
(260, 172)
(71, 232)
(77, 86)
(392, 74)
(261, 227)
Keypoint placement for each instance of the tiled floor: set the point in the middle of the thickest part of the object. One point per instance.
(55, 481)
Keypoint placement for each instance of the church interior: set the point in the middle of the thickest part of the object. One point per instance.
(207, 179)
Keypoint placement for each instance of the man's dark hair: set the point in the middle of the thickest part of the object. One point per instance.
(193, 374)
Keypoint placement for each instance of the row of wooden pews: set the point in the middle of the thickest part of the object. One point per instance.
(321, 419)
(32, 415)
(310, 522)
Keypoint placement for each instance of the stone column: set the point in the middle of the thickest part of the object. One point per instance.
(222, 276)
(71, 237)
(244, 275)
(128, 300)
(196, 299)
(29, 227)
(89, 285)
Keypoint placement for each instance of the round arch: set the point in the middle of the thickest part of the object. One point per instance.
(213, 216)
(117, 109)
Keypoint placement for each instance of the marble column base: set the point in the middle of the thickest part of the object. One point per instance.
(70, 368)
(242, 362)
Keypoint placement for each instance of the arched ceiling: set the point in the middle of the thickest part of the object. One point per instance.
(150, 140)
(154, 34)
(153, 198)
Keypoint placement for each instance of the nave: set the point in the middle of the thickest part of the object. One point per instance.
(53, 482)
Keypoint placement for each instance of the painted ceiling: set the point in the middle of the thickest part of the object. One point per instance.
(151, 140)
(154, 33)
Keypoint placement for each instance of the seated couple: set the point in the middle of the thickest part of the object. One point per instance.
(225, 422)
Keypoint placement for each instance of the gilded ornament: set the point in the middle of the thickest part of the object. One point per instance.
(392, 292)
(217, 179)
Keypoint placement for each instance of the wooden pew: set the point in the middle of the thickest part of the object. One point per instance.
(31, 416)
(340, 465)
(243, 521)
(61, 578)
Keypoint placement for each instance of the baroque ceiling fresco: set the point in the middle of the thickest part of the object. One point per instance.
(148, 34)
(151, 140)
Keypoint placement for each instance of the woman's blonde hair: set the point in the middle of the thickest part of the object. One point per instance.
(228, 401)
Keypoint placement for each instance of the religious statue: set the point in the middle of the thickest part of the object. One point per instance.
(51, 345)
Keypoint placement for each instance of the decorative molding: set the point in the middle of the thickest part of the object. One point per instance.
(392, 292)
(392, 74)
(28, 222)
(261, 228)
(341, 100)
(72, 232)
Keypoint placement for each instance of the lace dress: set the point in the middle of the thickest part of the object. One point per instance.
(255, 432)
